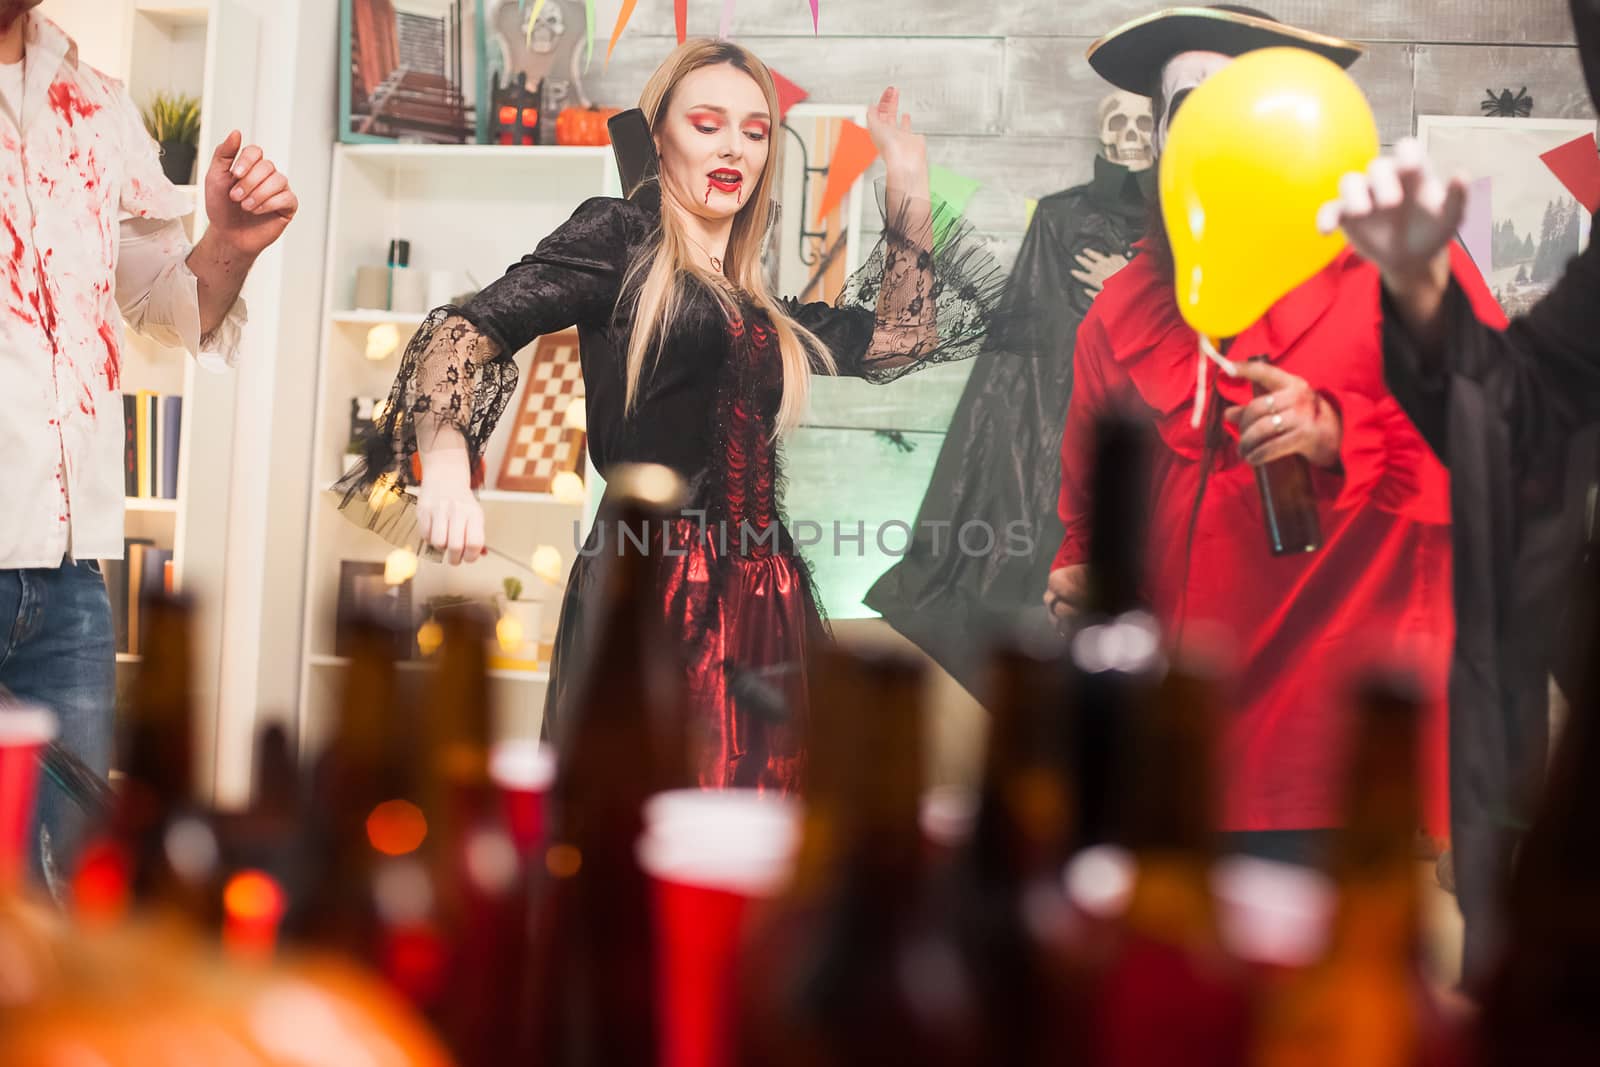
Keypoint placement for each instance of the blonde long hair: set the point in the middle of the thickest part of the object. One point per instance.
(660, 298)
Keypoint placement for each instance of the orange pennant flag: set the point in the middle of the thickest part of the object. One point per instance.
(622, 21)
(852, 155)
(680, 18)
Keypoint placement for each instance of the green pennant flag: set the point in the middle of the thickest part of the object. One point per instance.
(952, 191)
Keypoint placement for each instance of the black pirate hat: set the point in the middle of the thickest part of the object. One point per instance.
(1132, 55)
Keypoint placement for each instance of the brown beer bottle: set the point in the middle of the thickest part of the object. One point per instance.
(1366, 1003)
(1169, 992)
(1115, 644)
(367, 823)
(589, 998)
(1538, 1007)
(159, 849)
(1288, 499)
(1004, 896)
(851, 965)
(476, 877)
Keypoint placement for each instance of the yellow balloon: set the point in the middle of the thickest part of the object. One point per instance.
(1250, 157)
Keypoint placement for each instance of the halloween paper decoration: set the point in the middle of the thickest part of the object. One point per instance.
(789, 94)
(1577, 165)
(622, 22)
(852, 155)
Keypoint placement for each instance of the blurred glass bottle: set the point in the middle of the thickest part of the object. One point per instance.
(1538, 1005)
(1367, 1003)
(851, 965)
(1169, 991)
(367, 826)
(160, 848)
(1004, 894)
(479, 900)
(1115, 644)
(589, 998)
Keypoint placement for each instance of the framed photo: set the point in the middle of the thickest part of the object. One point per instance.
(409, 70)
(365, 596)
(1522, 222)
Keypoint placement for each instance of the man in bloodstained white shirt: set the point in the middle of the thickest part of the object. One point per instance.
(90, 235)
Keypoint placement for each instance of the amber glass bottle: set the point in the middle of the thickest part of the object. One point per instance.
(589, 995)
(851, 965)
(1170, 992)
(1367, 1002)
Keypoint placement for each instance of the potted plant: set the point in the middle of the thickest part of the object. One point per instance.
(173, 119)
(519, 628)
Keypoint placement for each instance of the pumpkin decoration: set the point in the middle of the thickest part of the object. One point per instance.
(584, 125)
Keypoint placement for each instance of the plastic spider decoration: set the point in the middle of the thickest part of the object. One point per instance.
(1508, 105)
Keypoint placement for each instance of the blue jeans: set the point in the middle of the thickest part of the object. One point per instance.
(57, 649)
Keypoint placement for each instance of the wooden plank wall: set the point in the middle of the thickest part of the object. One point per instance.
(1003, 90)
(1005, 95)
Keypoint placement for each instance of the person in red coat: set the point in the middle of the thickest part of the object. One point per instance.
(1299, 624)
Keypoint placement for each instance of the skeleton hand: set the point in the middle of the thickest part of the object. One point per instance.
(1096, 268)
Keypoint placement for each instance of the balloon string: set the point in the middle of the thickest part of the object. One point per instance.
(1208, 355)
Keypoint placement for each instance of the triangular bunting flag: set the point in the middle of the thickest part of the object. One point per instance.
(1032, 206)
(588, 23)
(726, 23)
(680, 19)
(852, 155)
(814, 16)
(622, 22)
(789, 94)
(953, 191)
(1577, 165)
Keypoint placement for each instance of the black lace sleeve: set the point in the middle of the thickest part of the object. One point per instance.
(906, 307)
(458, 372)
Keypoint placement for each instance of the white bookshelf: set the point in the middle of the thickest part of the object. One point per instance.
(473, 210)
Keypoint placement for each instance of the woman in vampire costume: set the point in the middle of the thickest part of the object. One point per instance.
(690, 362)
(1378, 580)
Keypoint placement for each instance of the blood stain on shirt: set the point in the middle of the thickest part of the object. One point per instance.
(112, 366)
(65, 101)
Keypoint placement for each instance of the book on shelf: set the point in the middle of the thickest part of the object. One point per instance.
(153, 429)
(143, 572)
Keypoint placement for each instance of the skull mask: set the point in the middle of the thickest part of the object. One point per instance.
(1125, 129)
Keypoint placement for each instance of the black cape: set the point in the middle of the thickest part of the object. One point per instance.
(1513, 416)
(1000, 462)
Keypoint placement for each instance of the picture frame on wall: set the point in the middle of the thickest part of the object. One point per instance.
(1523, 221)
(410, 71)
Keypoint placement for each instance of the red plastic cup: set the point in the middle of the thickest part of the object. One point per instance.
(709, 854)
(524, 771)
(24, 730)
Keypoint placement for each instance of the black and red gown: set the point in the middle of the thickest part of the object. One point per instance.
(733, 587)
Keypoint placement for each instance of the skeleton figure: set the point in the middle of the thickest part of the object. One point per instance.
(1126, 126)
(552, 54)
